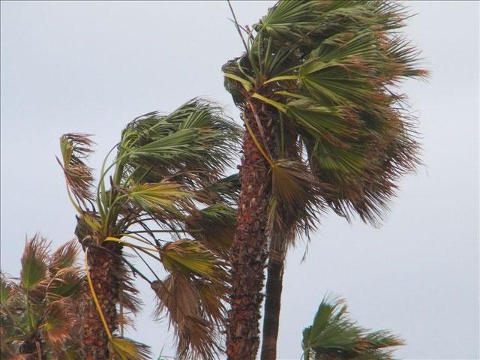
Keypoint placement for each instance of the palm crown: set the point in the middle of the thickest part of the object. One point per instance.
(328, 71)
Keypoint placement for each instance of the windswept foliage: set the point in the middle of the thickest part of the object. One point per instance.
(38, 312)
(161, 197)
(327, 125)
(333, 336)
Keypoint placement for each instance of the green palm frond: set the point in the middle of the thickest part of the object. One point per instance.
(163, 199)
(34, 263)
(128, 349)
(194, 138)
(334, 335)
(190, 256)
(5, 289)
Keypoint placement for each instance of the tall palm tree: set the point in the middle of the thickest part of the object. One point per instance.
(326, 127)
(333, 336)
(159, 197)
(38, 313)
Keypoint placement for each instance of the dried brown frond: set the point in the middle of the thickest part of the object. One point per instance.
(75, 150)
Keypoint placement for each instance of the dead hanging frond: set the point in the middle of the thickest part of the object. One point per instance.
(196, 311)
(295, 200)
(75, 150)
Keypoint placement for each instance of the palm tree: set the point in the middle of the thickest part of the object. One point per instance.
(159, 198)
(38, 313)
(333, 336)
(326, 128)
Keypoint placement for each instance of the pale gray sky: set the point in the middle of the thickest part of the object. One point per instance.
(94, 66)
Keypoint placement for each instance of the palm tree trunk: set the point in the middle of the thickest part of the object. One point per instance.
(249, 251)
(273, 294)
(104, 268)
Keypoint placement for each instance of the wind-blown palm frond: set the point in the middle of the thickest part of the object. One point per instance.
(75, 150)
(213, 227)
(39, 313)
(196, 309)
(191, 141)
(334, 336)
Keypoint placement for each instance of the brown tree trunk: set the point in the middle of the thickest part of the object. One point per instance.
(104, 267)
(249, 250)
(273, 294)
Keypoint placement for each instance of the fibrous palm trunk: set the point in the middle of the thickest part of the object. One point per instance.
(104, 265)
(249, 250)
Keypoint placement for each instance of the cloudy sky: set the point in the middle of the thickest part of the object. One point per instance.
(93, 66)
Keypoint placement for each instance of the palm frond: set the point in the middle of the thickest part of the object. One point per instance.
(75, 149)
(190, 256)
(65, 256)
(225, 190)
(163, 199)
(195, 309)
(295, 200)
(56, 330)
(34, 263)
(334, 334)
(128, 349)
(336, 81)
(214, 227)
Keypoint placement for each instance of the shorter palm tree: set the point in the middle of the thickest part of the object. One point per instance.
(165, 199)
(39, 312)
(333, 336)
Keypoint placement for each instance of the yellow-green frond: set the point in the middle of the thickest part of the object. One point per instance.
(128, 349)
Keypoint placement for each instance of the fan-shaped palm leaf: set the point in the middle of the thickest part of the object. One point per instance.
(334, 336)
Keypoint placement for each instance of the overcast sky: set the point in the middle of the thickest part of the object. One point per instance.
(93, 66)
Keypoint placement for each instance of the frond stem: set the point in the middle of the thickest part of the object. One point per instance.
(237, 25)
(255, 140)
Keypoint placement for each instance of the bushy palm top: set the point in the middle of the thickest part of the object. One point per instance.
(38, 312)
(328, 73)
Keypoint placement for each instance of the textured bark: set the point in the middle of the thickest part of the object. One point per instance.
(271, 319)
(248, 254)
(104, 267)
